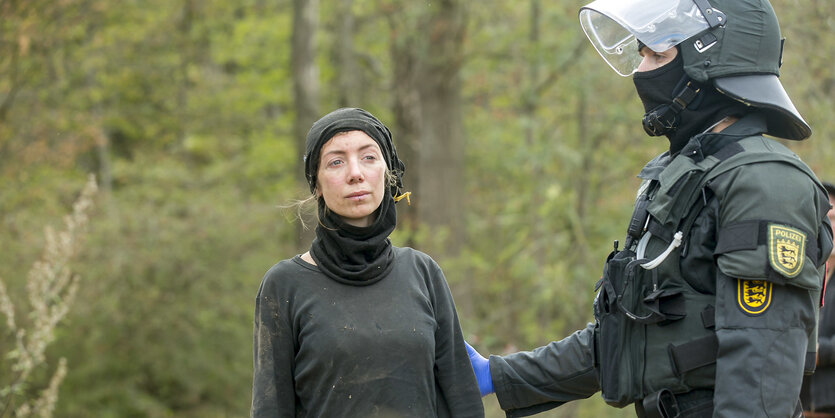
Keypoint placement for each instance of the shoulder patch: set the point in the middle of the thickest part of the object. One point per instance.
(786, 249)
(753, 296)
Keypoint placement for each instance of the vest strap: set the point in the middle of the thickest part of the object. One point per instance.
(709, 317)
(694, 354)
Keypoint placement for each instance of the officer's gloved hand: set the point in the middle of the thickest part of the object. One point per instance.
(481, 367)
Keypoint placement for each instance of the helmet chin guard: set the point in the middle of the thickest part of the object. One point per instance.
(665, 118)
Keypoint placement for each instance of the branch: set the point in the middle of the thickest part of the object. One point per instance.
(9, 99)
(555, 75)
(52, 288)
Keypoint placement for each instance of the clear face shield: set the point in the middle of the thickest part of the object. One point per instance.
(615, 26)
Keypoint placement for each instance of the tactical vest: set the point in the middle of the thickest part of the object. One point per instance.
(653, 330)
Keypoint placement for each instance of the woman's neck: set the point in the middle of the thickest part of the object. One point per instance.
(306, 257)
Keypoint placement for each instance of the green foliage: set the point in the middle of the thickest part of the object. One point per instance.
(177, 268)
(185, 110)
(807, 75)
(51, 287)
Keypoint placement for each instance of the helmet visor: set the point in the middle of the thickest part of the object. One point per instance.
(615, 26)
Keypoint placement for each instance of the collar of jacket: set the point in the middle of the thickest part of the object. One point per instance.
(708, 143)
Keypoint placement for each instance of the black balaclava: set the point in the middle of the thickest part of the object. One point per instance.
(658, 87)
(343, 252)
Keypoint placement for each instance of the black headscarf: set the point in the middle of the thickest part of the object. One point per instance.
(347, 253)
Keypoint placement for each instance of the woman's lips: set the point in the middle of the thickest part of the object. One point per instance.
(357, 195)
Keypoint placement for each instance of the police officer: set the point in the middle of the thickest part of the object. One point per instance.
(709, 305)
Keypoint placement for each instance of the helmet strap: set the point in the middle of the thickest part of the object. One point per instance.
(665, 118)
(713, 16)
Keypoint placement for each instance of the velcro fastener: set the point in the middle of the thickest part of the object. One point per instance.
(747, 235)
(738, 236)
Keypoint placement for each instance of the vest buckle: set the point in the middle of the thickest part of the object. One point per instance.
(661, 404)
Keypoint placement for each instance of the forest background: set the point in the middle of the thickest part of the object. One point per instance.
(521, 147)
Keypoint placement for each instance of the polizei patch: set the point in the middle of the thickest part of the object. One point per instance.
(786, 249)
(753, 296)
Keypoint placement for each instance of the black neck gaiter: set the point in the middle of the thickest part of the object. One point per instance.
(355, 255)
(658, 87)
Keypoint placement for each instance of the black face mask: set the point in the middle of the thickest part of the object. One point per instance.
(706, 106)
(656, 87)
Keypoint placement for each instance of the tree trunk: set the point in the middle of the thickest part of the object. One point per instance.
(531, 98)
(346, 61)
(442, 143)
(407, 121)
(12, 73)
(426, 48)
(186, 58)
(305, 89)
(530, 108)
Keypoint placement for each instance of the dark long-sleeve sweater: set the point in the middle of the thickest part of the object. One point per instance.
(390, 349)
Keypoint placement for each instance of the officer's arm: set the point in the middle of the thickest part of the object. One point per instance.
(534, 381)
(765, 296)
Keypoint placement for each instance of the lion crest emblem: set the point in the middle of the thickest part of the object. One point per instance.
(786, 249)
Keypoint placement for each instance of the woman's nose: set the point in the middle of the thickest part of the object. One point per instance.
(354, 171)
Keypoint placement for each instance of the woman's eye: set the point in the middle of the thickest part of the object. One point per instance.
(370, 157)
(334, 163)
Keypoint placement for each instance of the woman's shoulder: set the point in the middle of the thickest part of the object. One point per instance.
(411, 254)
(417, 261)
(288, 270)
(291, 264)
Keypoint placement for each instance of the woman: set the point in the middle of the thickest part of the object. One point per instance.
(357, 327)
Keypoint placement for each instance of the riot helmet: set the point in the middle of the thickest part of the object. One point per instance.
(734, 45)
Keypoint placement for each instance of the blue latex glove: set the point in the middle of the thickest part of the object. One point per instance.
(481, 367)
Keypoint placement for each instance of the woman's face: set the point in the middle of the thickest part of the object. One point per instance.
(351, 177)
(651, 60)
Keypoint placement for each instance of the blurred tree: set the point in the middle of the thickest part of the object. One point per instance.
(345, 60)
(513, 131)
(808, 77)
(426, 44)
(405, 102)
(305, 86)
(442, 137)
